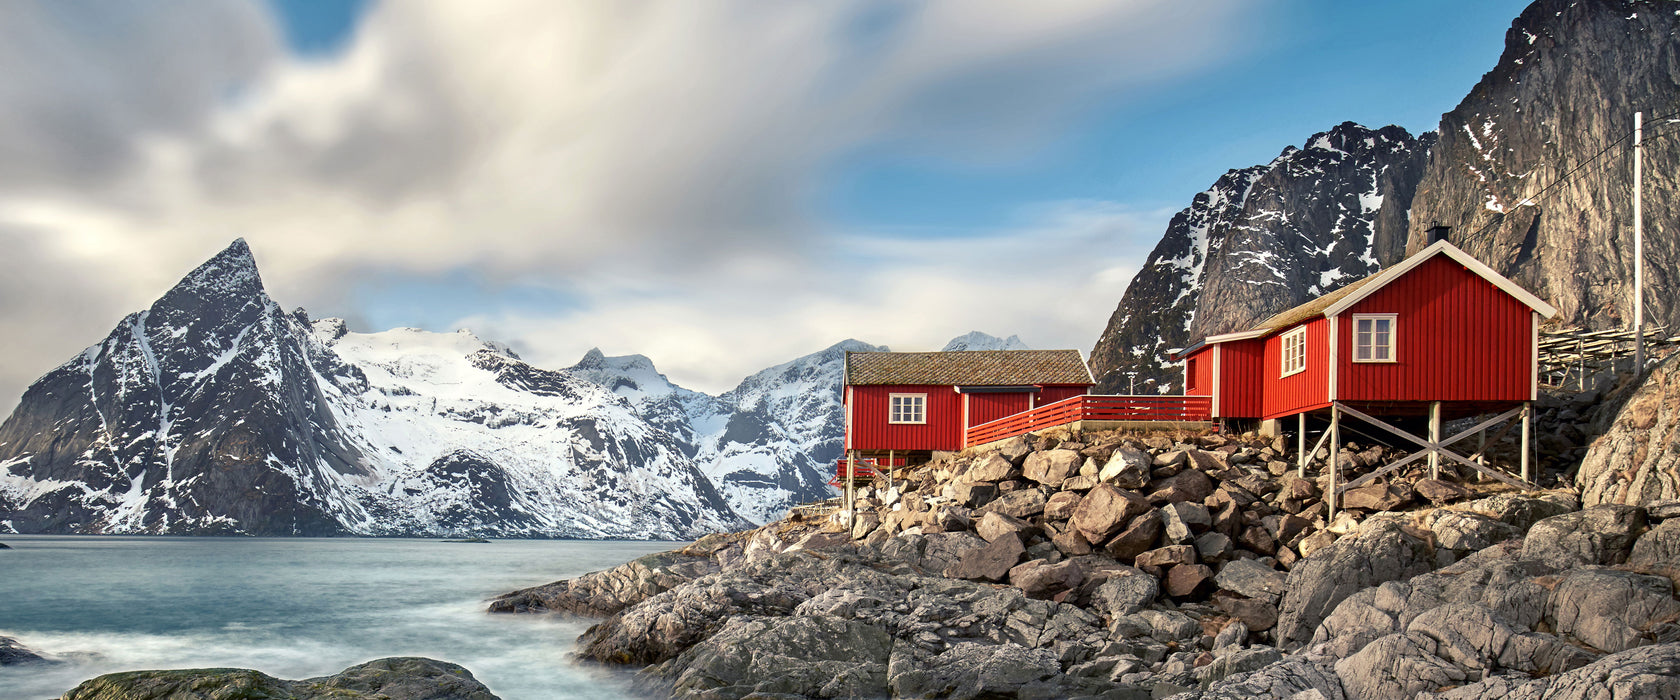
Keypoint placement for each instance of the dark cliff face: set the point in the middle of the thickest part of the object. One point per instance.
(1261, 240)
(184, 420)
(1572, 74)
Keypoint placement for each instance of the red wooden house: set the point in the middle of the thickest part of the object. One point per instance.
(1438, 335)
(905, 405)
(1439, 326)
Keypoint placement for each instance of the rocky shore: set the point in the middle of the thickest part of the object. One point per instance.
(397, 678)
(1143, 565)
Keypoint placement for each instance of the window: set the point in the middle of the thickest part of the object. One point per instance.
(1373, 337)
(907, 408)
(1294, 352)
(1190, 375)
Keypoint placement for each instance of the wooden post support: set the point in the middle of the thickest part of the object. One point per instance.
(1434, 437)
(1331, 497)
(851, 490)
(891, 481)
(1527, 419)
(1301, 444)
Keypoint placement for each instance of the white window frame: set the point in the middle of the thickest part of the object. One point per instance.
(1292, 352)
(1388, 347)
(919, 401)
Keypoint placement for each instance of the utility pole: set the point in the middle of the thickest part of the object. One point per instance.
(1638, 248)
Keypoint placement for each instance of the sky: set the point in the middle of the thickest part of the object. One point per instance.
(721, 185)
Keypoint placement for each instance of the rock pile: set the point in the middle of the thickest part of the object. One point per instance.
(1138, 566)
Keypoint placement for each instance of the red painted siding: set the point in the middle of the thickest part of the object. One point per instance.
(1303, 390)
(871, 431)
(1241, 368)
(984, 408)
(1198, 373)
(1053, 393)
(1457, 337)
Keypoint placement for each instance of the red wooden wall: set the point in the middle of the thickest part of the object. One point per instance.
(1241, 368)
(1198, 375)
(1053, 393)
(983, 408)
(871, 431)
(1303, 390)
(1457, 338)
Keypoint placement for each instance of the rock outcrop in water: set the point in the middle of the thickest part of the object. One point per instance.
(14, 654)
(397, 678)
(1119, 566)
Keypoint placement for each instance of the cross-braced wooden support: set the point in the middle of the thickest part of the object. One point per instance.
(1433, 449)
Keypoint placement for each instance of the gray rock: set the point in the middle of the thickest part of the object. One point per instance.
(992, 562)
(1015, 449)
(1180, 522)
(1602, 534)
(993, 467)
(1519, 510)
(1664, 509)
(974, 670)
(602, 593)
(1021, 503)
(1398, 666)
(1061, 505)
(1637, 674)
(799, 655)
(1171, 625)
(974, 494)
(1125, 595)
(1213, 547)
(1658, 550)
(1464, 532)
(397, 678)
(995, 525)
(1127, 468)
(1233, 634)
(1611, 610)
(1253, 580)
(1105, 511)
(1237, 661)
(1137, 538)
(1440, 492)
(1051, 467)
(13, 653)
(1380, 552)
(1637, 461)
(1040, 580)
(1299, 677)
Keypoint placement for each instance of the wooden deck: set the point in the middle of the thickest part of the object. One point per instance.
(1096, 412)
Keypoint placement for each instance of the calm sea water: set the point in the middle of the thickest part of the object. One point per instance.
(294, 608)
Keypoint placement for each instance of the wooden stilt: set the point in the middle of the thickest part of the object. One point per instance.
(851, 486)
(1527, 420)
(1331, 496)
(1435, 439)
(891, 482)
(1301, 444)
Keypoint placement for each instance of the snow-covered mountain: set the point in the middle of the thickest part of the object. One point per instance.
(215, 412)
(975, 340)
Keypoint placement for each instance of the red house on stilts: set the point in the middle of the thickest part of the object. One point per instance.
(1438, 336)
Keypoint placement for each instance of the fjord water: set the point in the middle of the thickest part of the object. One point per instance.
(294, 608)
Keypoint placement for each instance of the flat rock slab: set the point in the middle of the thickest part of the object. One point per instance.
(1253, 580)
(397, 678)
(1602, 535)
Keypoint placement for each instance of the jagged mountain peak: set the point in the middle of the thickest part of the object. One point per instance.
(230, 274)
(975, 340)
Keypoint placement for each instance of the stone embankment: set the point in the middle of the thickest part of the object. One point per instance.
(397, 678)
(1137, 566)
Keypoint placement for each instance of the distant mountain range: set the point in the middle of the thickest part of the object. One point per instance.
(215, 412)
(1556, 108)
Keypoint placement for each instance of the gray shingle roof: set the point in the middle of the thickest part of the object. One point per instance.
(968, 368)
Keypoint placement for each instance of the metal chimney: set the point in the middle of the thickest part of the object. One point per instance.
(1439, 233)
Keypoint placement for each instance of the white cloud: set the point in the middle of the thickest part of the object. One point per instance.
(662, 157)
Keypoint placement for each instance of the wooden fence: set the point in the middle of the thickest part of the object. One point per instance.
(1142, 408)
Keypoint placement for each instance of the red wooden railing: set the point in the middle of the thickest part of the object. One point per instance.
(866, 468)
(1081, 408)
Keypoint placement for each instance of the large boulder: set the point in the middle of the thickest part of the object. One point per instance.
(1637, 461)
(1382, 551)
(1253, 580)
(602, 593)
(1020, 503)
(1636, 674)
(991, 562)
(1127, 468)
(398, 678)
(1106, 511)
(769, 656)
(993, 467)
(1658, 550)
(1601, 534)
(1051, 467)
(1613, 610)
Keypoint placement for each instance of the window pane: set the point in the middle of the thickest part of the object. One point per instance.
(1364, 325)
(1363, 353)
